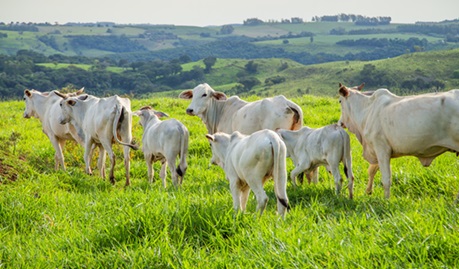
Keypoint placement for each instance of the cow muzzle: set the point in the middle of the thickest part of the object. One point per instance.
(190, 111)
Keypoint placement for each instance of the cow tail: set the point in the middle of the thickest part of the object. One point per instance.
(119, 118)
(347, 161)
(181, 169)
(280, 171)
(347, 158)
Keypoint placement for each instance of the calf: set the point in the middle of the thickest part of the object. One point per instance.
(45, 107)
(164, 141)
(102, 121)
(248, 161)
(310, 148)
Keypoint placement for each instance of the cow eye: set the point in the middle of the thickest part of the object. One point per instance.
(204, 95)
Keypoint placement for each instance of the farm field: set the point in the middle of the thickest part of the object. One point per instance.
(57, 219)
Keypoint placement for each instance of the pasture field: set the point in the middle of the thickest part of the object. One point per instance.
(82, 66)
(67, 219)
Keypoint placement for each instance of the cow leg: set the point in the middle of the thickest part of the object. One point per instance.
(337, 176)
(235, 193)
(260, 194)
(372, 169)
(245, 191)
(111, 155)
(149, 161)
(126, 136)
(127, 165)
(163, 173)
(298, 170)
(293, 175)
(314, 176)
(87, 156)
(172, 169)
(386, 173)
(350, 186)
(100, 161)
(58, 155)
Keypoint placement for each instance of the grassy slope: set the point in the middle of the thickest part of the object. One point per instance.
(323, 79)
(68, 219)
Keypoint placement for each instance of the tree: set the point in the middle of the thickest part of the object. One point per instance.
(185, 58)
(226, 29)
(253, 22)
(251, 67)
(249, 82)
(209, 62)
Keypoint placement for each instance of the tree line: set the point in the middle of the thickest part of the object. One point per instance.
(139, 78)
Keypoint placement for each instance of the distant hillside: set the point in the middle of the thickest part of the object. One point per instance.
(304, 42)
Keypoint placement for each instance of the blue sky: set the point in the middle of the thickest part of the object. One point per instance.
(216, 12)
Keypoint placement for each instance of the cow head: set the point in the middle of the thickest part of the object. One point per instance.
(67, 105)
(147, 114)
(219, 144)
(201, 97)
(344, 93)
(30, 107)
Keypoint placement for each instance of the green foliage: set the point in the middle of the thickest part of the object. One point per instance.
(66, 219)
(209, 62)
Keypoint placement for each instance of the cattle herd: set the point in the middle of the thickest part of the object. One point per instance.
(250, 141)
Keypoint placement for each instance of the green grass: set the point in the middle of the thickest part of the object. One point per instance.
(56, 219)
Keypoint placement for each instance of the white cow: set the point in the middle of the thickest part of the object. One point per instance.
(220, 114)
(164, 141)
(310, 148)
(390, 126)
(45, 107)
(103, 121)
(248, 161)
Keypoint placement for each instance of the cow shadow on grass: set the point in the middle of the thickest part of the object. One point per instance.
(320, 199)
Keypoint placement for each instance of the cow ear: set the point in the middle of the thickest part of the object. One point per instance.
(210, 137)
(28, 93)
(360, 88)
(71, 102)
(160, 114)
(188, 94)
(343, 91)
(219, 96)
(83, 97)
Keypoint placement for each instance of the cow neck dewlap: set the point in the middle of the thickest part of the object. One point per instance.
(213, 115)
